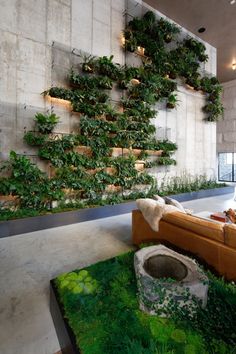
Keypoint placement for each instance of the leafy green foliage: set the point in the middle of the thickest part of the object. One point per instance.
(34, 139)
(187, 183)
(171, 101)
(198, 48)
(105, 66)
(30, 184)
(46, 122)
(78, 283)
(108, 320)
(8, 214)
(90, 171)
(183, 61)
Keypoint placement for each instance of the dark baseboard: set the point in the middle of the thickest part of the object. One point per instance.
(36, 223)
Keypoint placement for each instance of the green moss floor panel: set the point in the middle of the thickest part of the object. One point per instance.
(101, 306)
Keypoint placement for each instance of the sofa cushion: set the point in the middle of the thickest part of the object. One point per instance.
(209, 229)
(153, 211)
(159, 199)
(230, 235)
(174, 202)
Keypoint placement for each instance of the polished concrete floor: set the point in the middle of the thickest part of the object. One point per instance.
(29, 261)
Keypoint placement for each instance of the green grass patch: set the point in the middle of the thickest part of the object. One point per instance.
(101, 306)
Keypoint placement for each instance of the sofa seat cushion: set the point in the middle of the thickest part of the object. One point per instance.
(230, 235)
(209, 229)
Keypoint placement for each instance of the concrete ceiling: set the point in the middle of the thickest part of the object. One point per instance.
(219, 19)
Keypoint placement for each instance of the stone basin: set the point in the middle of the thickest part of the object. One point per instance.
(167, 279)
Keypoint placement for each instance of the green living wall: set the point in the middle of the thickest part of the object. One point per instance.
(108, 159)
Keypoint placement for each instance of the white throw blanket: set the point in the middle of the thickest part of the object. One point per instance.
(153, 211)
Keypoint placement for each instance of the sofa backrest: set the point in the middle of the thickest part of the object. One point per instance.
(209, 229)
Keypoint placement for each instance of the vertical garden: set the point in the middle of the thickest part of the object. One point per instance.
(110, 156)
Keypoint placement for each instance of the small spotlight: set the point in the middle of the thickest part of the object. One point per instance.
(140, 50)
(232, 2)
(201, 30)
(234, 66)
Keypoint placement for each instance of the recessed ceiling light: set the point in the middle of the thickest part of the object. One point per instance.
(232, 2)
(201, 29)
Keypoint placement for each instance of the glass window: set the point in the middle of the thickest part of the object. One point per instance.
(234, 167)
(226, 166)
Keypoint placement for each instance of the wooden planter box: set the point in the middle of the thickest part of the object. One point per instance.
(84, 150)
(8, 198)
(116, 151)
(111, 188)
(110, 170)
(93, 171)
(134, 152)
(139, 165)
(154, 152)
(8, 201)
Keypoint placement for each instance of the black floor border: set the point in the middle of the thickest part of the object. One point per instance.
(65, 334)
(36, 223)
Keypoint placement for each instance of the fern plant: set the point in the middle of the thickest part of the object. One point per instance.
(46, 122)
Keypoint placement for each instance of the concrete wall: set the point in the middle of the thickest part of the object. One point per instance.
(196, 139)
(34, 33)
(27, 31)
(226, 128)
(33, 37)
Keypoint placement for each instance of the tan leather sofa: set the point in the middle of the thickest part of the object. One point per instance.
(213, 242)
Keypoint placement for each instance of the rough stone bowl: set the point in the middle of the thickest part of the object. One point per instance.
(168, 280)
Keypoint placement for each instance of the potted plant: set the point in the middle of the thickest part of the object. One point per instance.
(168, 30)
(33, 139)
(214, 110)
(194, 81)
(198, 48)
(88, 65)
(46, 122)
(130, 41)
(105, 82)
(105, 66)
(59, 92)
(172, 101)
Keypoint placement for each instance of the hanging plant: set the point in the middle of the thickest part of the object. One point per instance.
(168, 30)
(198, 48)
(130, 41)
(104, 82)
(214, 110)
(172, 101)
(105, 66)
(88, 65)
(33, 139)
(194, 81)
(59, 92)
(46, 122)
(128, 73)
